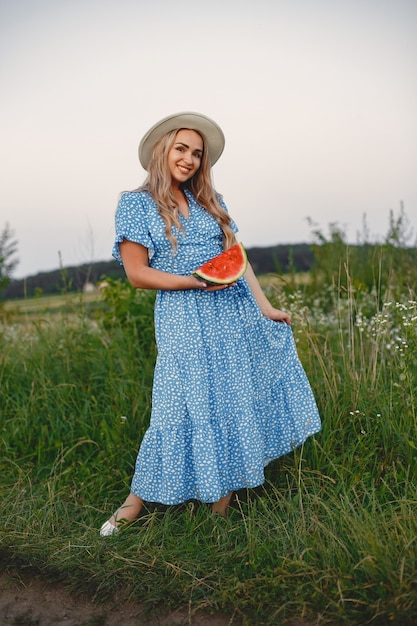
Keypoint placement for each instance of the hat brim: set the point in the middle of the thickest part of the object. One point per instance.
(211, 132)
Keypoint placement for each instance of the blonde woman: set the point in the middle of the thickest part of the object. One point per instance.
(229, 392)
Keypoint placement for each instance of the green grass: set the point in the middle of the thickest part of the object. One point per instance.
(330, 537)
(48, 303)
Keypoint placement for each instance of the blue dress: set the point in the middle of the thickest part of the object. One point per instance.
(229, 392)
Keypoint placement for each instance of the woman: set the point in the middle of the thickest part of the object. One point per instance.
(229, 392)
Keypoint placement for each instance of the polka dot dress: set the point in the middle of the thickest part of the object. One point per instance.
(229, 392)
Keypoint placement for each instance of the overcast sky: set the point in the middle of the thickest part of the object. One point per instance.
(317, 99)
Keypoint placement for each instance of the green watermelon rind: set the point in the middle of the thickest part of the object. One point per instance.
(198, 273)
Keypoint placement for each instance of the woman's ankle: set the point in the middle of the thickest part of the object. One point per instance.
(221, 507)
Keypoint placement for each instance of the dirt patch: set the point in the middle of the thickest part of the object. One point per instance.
(27, 600)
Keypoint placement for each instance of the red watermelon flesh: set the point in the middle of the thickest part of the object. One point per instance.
(225, 268)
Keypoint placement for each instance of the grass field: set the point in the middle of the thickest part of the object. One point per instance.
(47, 304)
(331, 536)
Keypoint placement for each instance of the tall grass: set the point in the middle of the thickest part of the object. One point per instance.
(332, 534)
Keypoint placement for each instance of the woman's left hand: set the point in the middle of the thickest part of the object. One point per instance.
(277, 316)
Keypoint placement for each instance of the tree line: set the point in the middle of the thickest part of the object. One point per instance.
(375, 266)
(279, 259)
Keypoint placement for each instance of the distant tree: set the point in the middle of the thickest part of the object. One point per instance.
(8, 260)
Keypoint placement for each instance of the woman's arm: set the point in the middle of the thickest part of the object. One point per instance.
(140, 275)
(266, 307)
(136, 263)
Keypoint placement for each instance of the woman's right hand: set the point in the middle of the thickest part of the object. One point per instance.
(203, 285)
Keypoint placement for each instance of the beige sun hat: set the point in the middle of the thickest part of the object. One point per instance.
(211, 132)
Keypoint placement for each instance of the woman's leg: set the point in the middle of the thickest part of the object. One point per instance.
(222, 505)
(129, 510)
(133, 505)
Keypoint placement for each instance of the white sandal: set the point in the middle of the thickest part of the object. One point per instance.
(108, 529)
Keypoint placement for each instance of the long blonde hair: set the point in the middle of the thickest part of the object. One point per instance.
(158, 184)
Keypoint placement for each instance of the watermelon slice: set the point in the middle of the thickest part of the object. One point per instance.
(225, 268)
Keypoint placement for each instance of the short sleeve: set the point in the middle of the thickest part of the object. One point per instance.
(233, 225)
(132, 223)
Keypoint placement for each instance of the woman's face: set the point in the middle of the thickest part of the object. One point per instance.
(184, 158)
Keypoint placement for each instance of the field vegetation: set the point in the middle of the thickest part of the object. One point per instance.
(330, 537)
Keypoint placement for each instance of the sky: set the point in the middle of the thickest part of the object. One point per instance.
(317, 100)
